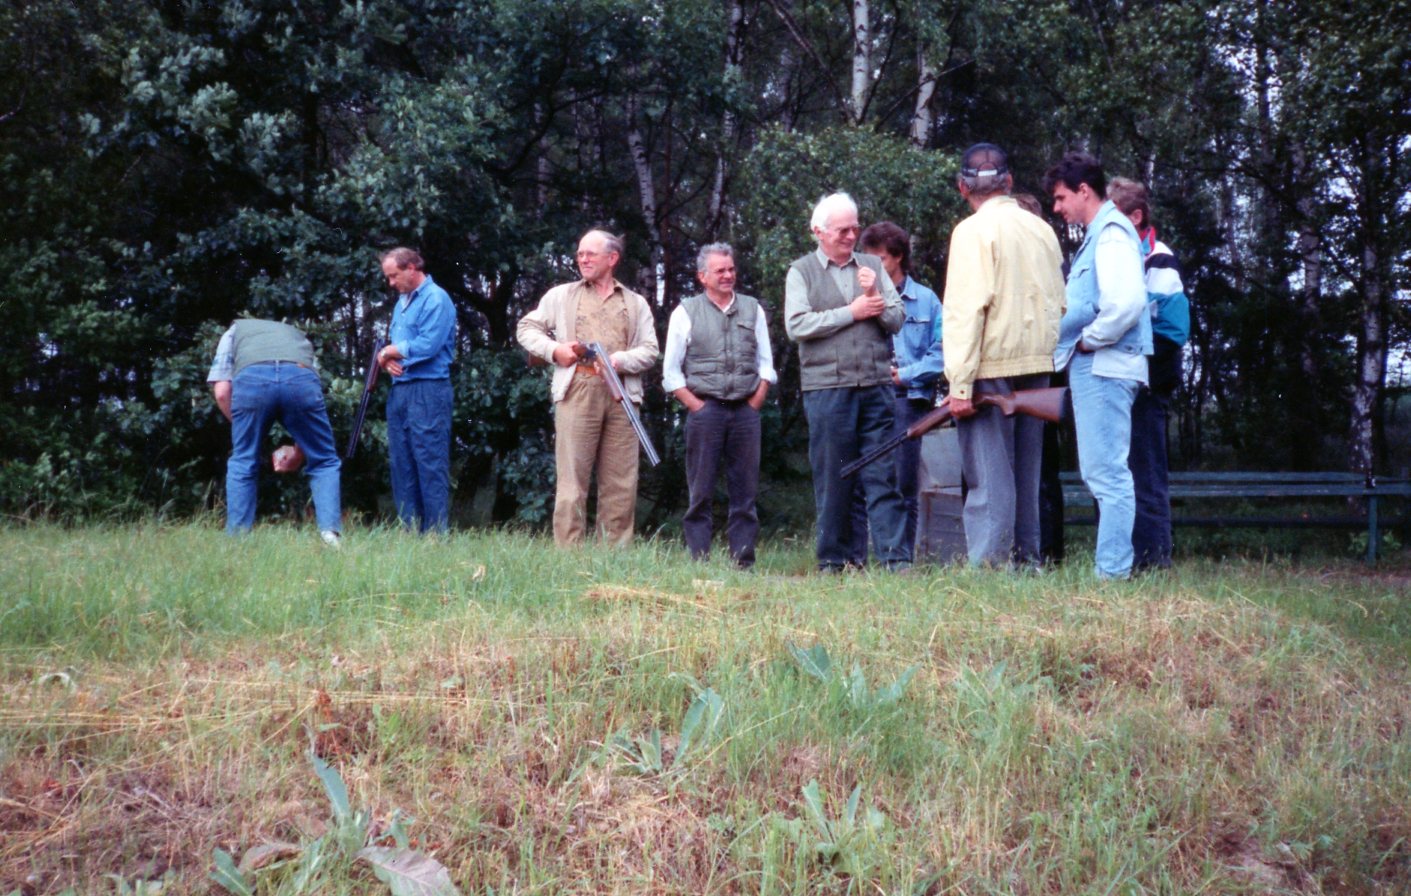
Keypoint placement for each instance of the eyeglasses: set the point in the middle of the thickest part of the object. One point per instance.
(586, 255)
(844, 231)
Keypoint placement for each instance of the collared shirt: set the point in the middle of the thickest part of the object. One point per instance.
(917, 345)
(424, 331)
(678, 338)
(553, 321)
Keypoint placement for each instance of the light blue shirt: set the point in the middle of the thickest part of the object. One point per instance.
(424, 331)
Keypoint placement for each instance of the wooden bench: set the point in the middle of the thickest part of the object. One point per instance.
(1261, 486)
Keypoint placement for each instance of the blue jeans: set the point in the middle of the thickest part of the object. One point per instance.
(260, 395)
(1102, 416)
(419, 451)
(907, 458)
(842, 424)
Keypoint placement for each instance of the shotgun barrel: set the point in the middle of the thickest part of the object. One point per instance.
(599, 356)
(1044, 404)
(361, 416)
(916, 430)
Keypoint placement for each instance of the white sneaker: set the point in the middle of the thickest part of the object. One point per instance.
(331, 538)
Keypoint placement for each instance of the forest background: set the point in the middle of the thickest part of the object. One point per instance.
(168, 166)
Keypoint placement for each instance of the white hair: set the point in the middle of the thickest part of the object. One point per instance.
(829, 206)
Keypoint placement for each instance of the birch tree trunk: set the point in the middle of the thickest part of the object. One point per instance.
(646, 191)
(861, 59)
(1371, 366)
(734, 38)
(922, 120)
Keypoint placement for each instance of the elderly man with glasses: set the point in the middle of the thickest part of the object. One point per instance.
(842, 311)
(590, 430)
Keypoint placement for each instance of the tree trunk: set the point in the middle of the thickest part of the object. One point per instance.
(646, 190)
(922, 119)
(1372, 357)
(734, 38)
(861, 59)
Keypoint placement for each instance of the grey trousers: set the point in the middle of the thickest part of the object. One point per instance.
(723, 433)
(1001, 458)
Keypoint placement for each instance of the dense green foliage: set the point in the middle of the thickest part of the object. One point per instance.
(170, 165)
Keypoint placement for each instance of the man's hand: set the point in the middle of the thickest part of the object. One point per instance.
(961, 407)
(566, 354)
(865, 306)
(756, 400)
(220, 391)
(390, 360)
(287, 459)
(896, 377)
(1084, 348)
(867, 280)
(689, 399)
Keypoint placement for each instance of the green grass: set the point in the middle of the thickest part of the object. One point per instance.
(1236, 727)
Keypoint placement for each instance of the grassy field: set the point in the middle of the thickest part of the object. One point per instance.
(538, 721)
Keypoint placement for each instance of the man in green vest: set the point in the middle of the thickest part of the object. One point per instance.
(265, 371)
(843, 312)
(719, 365)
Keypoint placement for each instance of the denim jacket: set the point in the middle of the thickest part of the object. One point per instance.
(1125, 356)
(917, 345)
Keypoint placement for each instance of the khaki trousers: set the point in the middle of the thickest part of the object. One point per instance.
(591, 431)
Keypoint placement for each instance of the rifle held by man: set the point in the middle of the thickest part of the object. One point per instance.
(368, 385)
(934, 418)
(595, 352)
(1045, 404)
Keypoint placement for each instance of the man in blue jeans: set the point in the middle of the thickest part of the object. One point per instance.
(420, 346)
(1103, 341)
(265, 371)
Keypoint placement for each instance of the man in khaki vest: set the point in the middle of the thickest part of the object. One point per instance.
(719, 365)
(590, 430)
(842, 312)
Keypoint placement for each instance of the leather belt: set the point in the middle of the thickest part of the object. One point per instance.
(278, 362)
(588, 369)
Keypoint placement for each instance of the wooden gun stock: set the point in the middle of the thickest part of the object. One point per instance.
(1045, 404)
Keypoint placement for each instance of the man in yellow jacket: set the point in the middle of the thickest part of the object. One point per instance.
(1004, 298)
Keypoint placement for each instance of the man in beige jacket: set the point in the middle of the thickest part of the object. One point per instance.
(1004, 298)
(590, 430)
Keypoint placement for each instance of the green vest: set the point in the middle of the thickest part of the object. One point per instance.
(859, 355)
(722, 359)
(255, 341)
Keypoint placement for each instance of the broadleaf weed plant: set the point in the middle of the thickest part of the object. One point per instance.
(296, 869)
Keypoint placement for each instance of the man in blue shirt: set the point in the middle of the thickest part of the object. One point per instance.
(420, 346)
(916, 369)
